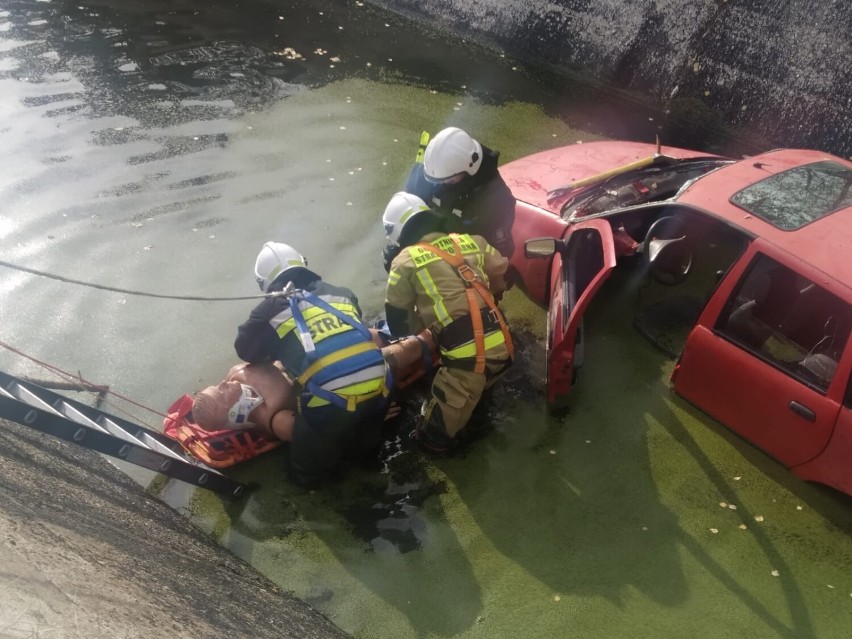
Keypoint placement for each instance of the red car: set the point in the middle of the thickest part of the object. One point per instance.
(748, 265)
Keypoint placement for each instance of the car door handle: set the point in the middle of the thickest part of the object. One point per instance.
(802, 411)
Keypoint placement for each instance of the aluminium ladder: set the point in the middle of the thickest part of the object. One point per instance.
(54, 414)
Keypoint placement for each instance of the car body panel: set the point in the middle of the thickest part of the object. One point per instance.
(747, 394)
(806, 426)
(576, 274)
(531, 177)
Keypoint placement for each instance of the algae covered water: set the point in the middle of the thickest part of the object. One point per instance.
(156, 146)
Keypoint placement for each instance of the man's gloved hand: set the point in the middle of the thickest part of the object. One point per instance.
(388, 254)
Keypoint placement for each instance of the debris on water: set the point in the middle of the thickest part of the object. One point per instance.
(290, 53)
(737, 478)
(552, 452)
(830, 586)
(588, 441)
(480, 619)
(149, 247)
(758, 517)
(714, 530)
(645, 528)
(557, 598)
(732, 506)
(723, 504)
(775, 573)
(320, 51)
(743, 527)
(136, 225)
(798, 507)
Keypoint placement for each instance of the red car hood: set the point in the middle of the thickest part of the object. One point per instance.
(531, 177)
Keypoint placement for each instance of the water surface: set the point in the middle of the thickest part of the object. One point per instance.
(156, 146)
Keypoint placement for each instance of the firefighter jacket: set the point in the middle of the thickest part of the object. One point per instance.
(420, 281)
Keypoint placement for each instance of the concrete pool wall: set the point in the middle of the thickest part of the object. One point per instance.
(779, 69)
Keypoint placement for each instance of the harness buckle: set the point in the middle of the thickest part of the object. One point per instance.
(467, 274)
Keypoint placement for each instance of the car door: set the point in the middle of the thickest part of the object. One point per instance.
(582, 264)
(763, 357)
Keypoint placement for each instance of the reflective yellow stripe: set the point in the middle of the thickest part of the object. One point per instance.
(355, 394)
(468, 350)
(393, 278)
(431, 290)
(423, 257)
(333, 358)
(310, 314)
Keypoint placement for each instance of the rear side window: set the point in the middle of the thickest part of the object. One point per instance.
(791, 199)
(789, 321)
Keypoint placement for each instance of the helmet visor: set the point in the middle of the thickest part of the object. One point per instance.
(452, 179)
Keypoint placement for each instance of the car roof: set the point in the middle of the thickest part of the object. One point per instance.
(825, 243)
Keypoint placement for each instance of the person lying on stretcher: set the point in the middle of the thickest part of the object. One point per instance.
(262, 395)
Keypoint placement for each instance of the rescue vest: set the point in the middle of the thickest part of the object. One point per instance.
(482, 333)
(343, 366)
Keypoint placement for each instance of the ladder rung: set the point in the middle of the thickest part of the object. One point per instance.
(72, 421)
(153, 444)
(74, 415)
(117, 431)
(27, 396)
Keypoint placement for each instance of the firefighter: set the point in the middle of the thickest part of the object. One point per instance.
(447, 283)
(458, 179)
(340, 374)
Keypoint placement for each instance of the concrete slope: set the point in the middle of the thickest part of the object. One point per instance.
(85, 552)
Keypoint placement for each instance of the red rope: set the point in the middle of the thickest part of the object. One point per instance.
(80, 378)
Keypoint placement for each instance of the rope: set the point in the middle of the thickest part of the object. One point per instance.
(102, 287)
(83, 382)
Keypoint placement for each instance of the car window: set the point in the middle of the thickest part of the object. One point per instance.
(787, 320)
(793, 198)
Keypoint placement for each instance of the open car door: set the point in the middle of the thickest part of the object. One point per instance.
(581, 263)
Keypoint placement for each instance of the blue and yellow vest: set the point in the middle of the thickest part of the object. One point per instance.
(341, 364)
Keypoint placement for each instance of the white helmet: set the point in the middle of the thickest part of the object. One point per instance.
(401, 208)
(274, 259)
(451, 154)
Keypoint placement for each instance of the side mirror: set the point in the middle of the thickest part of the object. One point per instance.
(540, 247)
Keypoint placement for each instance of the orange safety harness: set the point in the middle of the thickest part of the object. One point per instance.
(474, 284)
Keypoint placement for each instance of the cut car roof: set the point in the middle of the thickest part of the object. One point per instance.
(826, 242)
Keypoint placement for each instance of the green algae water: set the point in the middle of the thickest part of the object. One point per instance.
(627, 513)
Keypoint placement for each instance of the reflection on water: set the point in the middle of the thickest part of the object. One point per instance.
(155, 146)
